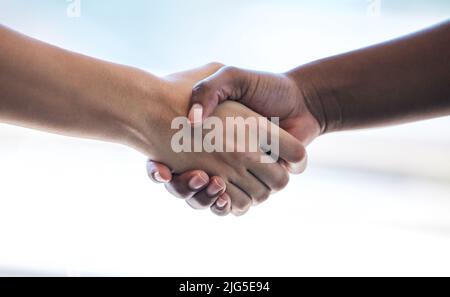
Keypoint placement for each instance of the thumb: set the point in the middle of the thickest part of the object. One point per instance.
(158, 172)
(227, 83)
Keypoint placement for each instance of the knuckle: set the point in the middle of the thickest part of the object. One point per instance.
(239, 173)
(229, 70)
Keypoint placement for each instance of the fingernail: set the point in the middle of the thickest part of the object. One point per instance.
(157, 176)
(214, 188)
(221, 202)
(197, 182)
(296, 168)
(196, 114)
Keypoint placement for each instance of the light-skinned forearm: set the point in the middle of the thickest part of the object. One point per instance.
(48, 88)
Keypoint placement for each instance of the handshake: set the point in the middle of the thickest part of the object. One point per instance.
(232, 177)
(204, 147)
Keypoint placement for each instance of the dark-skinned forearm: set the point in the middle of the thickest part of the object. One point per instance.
(403, 80)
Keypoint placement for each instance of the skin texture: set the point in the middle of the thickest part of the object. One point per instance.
(48, 88)
(247, 180)
(399, 81)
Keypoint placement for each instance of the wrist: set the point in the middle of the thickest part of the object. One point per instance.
(318, 96)
(127, 110)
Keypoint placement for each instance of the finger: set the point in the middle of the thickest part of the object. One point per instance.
(271, 138)
(273, 175)
(187, 184)
(295, 168)
(227, 83)
(222, 206)
(158, 172)
(282, 145)
(294, 153)
(253, 187)
(209, 195)
(240, 201)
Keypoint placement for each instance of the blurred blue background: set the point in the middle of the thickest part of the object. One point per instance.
(375, 201)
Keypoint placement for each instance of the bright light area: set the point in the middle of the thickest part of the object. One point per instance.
(372, 202)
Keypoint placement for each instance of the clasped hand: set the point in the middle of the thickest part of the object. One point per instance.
(233, 181)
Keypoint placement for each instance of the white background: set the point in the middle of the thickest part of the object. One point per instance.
(372, 202)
